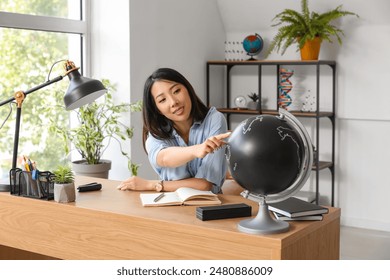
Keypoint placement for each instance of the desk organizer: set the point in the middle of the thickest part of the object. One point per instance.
(23, 184)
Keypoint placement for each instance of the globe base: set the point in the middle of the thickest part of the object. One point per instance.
(4, 188)
(263, 223)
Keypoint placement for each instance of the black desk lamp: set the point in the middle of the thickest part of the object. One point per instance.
(81, 91)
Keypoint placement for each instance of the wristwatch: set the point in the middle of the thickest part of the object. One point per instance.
(159, 186)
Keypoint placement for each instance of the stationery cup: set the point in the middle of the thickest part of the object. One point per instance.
(29, 185)
(25, 183)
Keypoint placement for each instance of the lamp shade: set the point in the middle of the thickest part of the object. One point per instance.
(82, 90)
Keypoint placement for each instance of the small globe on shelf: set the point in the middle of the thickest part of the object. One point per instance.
(271, 158)
(253, 44)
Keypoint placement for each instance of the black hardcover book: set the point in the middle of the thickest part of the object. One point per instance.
(294, 207)
(302, 218)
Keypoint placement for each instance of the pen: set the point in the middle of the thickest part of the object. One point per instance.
(158, 197)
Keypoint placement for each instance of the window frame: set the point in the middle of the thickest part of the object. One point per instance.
(42, 23)
(56, 24)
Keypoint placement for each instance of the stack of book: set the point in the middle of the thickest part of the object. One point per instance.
(294, 209)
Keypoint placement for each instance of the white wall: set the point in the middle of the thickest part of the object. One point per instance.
(110, 59)
(181, 34)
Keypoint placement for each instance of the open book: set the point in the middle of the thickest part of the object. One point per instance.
(182, 196)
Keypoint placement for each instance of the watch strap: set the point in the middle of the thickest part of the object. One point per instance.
(162, 185)
(159, 185)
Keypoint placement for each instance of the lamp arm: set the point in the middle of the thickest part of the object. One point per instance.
(45, 84)
(49, 82)
(7, 101)
(22, 95)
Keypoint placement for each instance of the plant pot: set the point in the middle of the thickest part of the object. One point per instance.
(100, 170)
(252, 105)
(311, 49)
(64, 193)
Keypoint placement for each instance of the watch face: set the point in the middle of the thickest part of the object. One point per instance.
(158, 187)
(240, 101)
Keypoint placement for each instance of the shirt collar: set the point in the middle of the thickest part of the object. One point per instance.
(197, 123)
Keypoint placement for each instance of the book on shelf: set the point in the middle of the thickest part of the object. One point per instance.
(302, 218)
(182, 196)
(294, 207)
(308, 196)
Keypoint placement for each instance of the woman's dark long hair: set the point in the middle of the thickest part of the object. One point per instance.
(156, 123)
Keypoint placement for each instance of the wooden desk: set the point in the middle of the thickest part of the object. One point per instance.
(112, 224)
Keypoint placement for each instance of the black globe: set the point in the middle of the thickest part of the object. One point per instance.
(265, 154)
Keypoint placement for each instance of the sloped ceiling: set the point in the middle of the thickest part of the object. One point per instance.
(242, 16)
(248, 15)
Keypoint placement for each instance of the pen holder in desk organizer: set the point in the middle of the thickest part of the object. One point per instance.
(23, 184)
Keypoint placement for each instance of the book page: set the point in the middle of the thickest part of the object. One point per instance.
(191, 196)
(190, 193)
(186, 196)
(169, 198)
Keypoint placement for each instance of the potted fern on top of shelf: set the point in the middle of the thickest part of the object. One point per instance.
(306, 29)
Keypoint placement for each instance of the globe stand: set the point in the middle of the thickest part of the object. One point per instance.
(251, 57)
(263, 223)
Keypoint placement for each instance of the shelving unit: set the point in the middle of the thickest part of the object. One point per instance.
(318, 165)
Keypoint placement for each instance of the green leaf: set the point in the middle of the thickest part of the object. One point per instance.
(63, 174)
(296, 27)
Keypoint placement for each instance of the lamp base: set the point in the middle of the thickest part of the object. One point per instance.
(5, 188)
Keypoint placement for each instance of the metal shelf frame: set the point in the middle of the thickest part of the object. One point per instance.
(228, 111)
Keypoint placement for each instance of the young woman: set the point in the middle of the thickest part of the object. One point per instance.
(182, 137)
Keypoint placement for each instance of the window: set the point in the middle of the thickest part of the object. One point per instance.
(34, 35)
(70, 9)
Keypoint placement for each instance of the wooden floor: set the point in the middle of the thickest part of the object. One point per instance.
(364, 244)
(355, 243)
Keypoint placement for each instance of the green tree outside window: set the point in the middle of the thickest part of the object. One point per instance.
(26, 57)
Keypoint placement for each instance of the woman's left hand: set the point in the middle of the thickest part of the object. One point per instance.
(136, 183)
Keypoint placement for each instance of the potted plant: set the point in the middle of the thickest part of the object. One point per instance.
(306, 29)
(64, 188)
(99, 125)
(254, 97)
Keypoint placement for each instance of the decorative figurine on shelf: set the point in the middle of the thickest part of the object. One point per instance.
(309, 104)
(253, 44)
(285, 86)
(255, 103)
(240, 102)
(233, 51)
